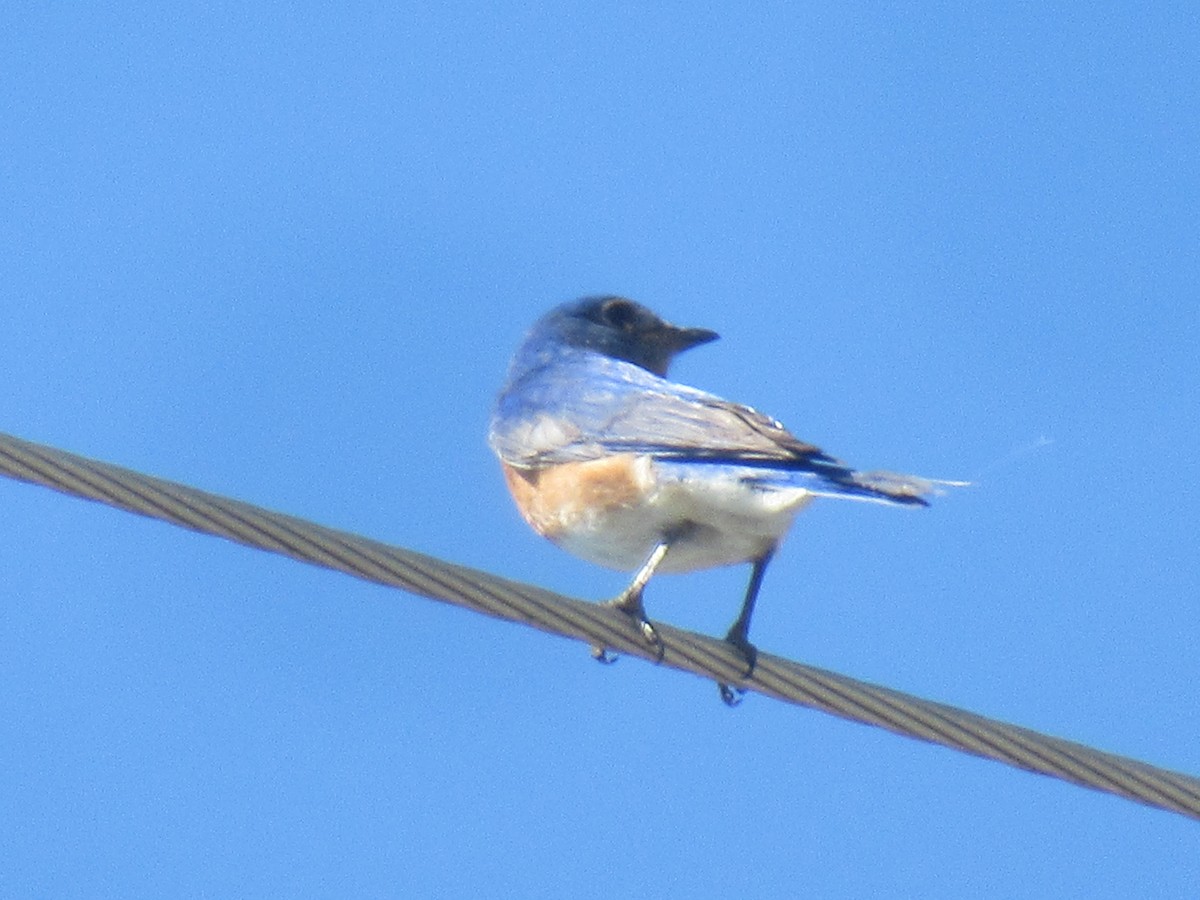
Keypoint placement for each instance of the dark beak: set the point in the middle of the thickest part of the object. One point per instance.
(686, 338)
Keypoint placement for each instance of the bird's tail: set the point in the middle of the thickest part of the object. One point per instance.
(834, 480)
(880, 487)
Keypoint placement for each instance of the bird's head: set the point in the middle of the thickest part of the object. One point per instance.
(619, 328)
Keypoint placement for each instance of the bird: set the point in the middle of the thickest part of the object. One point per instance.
(622, 467)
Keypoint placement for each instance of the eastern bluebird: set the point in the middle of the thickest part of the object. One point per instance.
(614, 463)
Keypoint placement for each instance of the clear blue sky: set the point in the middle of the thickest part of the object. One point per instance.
(283, 252)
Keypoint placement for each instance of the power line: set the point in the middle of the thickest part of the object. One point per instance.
(597, 625)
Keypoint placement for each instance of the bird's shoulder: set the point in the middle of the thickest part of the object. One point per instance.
(575, 406)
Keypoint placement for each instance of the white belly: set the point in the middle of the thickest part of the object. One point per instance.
(709, 521)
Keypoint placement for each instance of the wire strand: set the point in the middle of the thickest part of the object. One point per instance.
(597, 625)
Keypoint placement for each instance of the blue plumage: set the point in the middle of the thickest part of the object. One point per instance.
(625, 468)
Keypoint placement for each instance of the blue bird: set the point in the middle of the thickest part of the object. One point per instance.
(626, 469)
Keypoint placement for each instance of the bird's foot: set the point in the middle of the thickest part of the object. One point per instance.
(732, 696)
(602, 656)
(630, 603)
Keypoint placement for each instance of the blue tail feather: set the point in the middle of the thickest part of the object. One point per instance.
(821, 477)
(879, 487)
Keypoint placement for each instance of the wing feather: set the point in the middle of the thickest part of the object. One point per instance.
(582, 410)
(588, 406)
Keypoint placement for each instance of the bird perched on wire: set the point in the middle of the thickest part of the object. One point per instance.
(624, 468)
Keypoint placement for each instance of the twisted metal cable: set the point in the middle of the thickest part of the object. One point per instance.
(597, 625)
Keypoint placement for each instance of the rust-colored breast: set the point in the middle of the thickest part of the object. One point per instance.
(556, 499)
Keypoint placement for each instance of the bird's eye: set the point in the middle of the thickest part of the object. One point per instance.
(619, 313)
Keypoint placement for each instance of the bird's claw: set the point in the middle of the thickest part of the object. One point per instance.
(650, 635)
(732, 696)
(602, 656)
(631, 605)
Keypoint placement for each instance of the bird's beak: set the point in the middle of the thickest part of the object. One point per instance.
(686, 338)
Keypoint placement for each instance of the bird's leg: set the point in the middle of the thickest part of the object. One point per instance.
(739, 632)
(629, 601)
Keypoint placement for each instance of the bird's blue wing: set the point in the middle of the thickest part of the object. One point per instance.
(584, 406)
